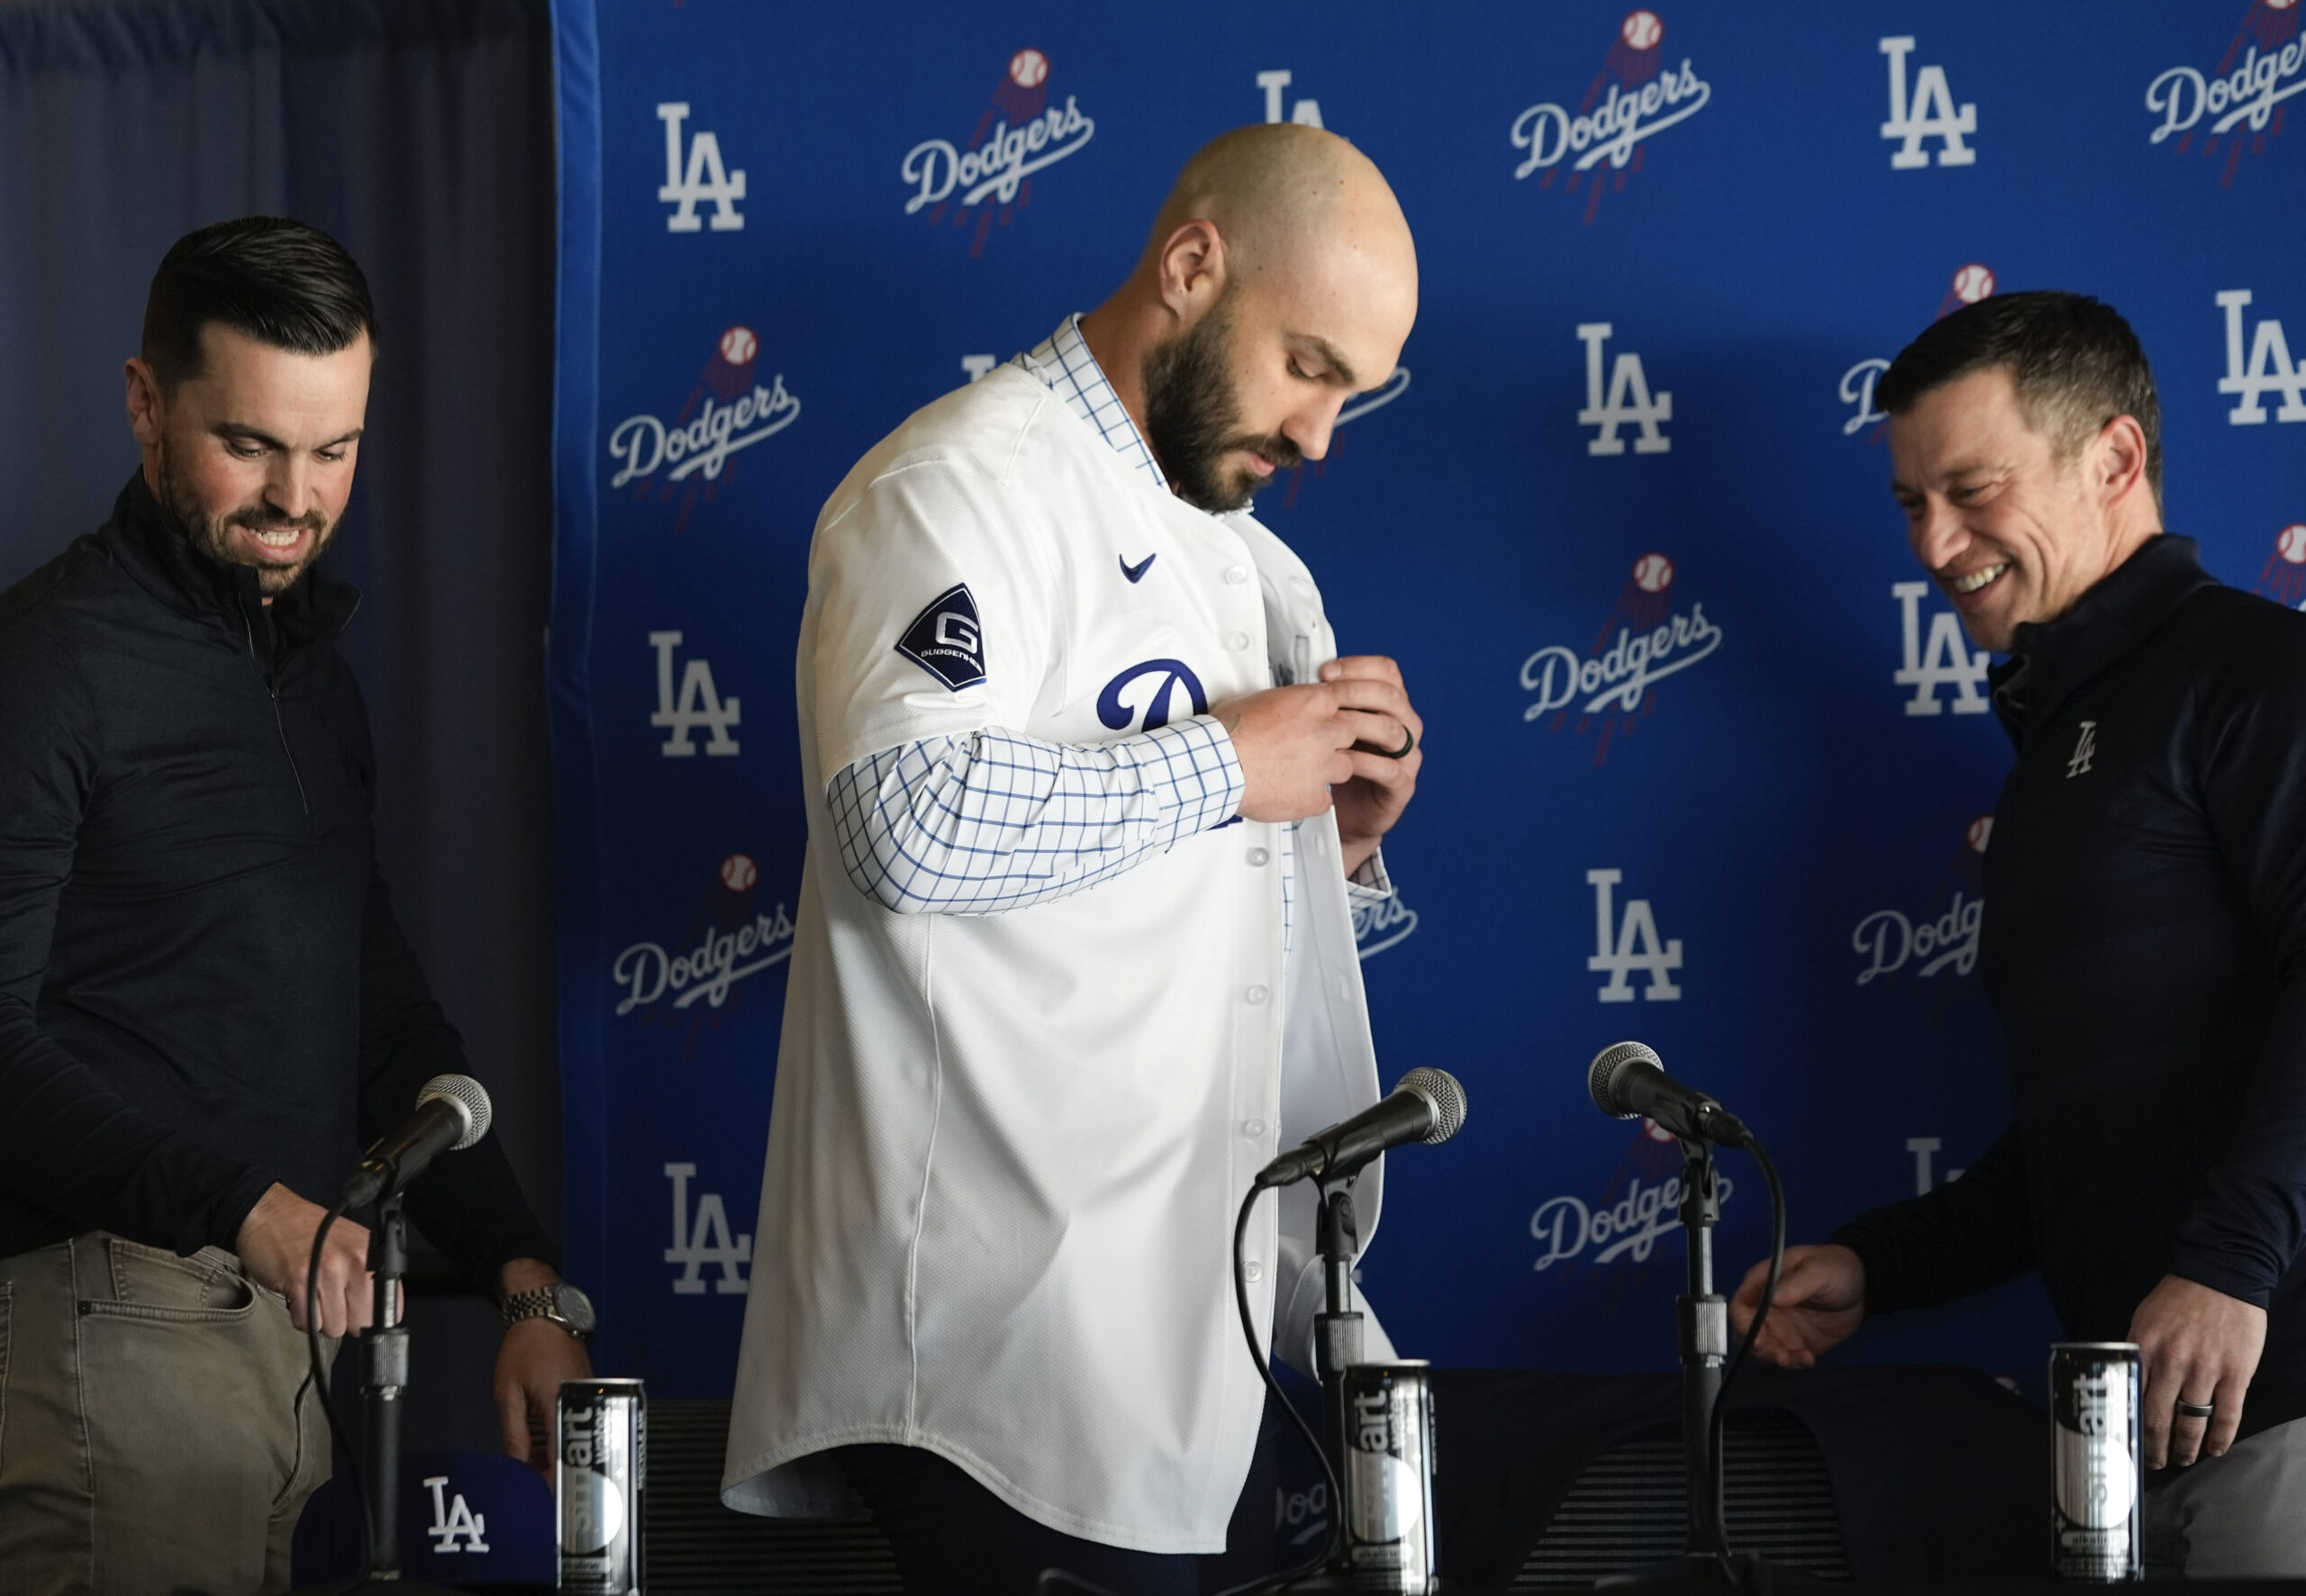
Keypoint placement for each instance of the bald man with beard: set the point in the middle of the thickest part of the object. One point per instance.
(1091, 796)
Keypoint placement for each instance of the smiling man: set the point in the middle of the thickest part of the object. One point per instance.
(2145, 933)
(206, 1004)
(1090, 794)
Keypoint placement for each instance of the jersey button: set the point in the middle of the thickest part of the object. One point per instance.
(1253, 1129)
(1256, 995)
(1258, 855)
(1237, 641)
(1253, 1270)
(1236, 574)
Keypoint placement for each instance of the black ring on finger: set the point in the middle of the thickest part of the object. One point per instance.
(1400, 753)
(2196, 1411)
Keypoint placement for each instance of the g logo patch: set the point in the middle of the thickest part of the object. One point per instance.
(1168, 674)
(946, 639)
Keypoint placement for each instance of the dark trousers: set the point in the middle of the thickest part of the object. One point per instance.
(953, 1538)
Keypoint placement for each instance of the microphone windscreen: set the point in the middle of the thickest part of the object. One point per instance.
(467, 1094)
(1601, 1079)
(1439, 1088)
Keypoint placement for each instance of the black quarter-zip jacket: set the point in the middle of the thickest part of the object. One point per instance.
(2145, 946)
(203, 987)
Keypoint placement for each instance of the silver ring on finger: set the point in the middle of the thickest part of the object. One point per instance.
(2196, 1411)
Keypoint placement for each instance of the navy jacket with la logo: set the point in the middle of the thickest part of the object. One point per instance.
(2144, 945)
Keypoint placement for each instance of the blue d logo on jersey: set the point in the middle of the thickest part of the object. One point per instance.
(1168, 675)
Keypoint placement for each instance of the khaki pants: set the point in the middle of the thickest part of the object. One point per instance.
(156, 1425)
(2239, 1517)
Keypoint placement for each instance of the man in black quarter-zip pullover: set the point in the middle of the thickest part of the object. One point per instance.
(2145, 933)
(206, 1005)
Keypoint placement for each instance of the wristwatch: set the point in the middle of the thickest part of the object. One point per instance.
(559, 1302)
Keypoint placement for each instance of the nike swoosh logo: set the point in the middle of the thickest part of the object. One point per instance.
(1136, 572)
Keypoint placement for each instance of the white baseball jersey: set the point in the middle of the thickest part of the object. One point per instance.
(1006, 1150)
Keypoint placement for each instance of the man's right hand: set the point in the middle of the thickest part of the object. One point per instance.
(1293, 742)
(275, 1248)
(1820, 1302)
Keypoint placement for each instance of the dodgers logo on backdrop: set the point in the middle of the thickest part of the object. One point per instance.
(1972, 282)
(728, 410)
(726, 943)
(1020, 133)
(1640, 1205)
(1633, 98)
(2241, 97)
(1381, 925)
(2283, 580)
(2269, 370)
(1643, 640)
(1897, 952)
(1122, 703)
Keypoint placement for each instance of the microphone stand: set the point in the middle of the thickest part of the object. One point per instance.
(1337, 1329)
(383, 1356)
(384, 1359)
(1703, 1319)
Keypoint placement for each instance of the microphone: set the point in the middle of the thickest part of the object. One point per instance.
(1628, 1078)
(1426, 1106)
(452, 1112)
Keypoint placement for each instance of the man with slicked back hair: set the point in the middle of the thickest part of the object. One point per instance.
(206, 1004)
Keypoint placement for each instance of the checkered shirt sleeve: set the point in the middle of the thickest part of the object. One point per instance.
(995, 821)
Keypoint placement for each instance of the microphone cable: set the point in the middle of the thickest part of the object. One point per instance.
(319, 1376)
(1321, 1559)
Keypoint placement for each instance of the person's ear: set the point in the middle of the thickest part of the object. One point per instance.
(148, 408)
(1193, 269)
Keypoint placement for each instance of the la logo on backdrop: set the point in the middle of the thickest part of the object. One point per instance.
(990, 175)
(694, 455)
(1643, 640)
(1632, 98)
(2239, 103)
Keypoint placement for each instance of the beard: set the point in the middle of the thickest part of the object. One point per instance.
(213, 535)
(1193, 416)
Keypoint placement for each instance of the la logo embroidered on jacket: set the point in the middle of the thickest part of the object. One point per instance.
(2086, 747)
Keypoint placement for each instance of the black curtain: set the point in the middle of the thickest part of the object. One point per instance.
(419, 132)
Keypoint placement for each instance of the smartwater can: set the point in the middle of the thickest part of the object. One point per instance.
(1389, 1462)
(2093, 1406)
(601, 1478)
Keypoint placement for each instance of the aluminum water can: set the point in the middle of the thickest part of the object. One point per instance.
(1389, 1462)
(601, 1481)
(2093, 1406)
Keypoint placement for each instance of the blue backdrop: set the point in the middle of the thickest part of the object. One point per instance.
(1707, 766)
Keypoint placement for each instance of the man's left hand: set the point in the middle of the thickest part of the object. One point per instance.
(537, 1356)
(2197, 1346)
(1381, 788)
